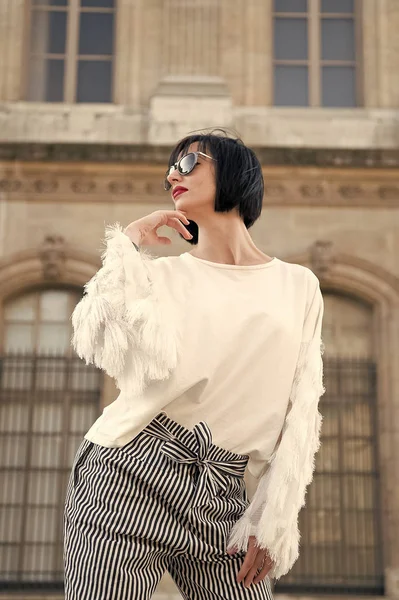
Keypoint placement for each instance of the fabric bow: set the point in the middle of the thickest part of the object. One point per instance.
(212, 473)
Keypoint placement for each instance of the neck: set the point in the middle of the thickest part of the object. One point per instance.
(227, 241)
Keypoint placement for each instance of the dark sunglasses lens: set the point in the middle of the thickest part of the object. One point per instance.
(187, 163)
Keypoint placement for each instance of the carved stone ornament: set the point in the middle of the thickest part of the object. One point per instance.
(52, 255)
(322, 256)
(388, 192)
(312, 190)
(351, 191)
(274, 189)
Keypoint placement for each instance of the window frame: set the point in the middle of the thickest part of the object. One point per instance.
(70, 383)
(314, 62)
(71, 57)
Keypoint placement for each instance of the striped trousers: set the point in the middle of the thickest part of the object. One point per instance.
(166, 501)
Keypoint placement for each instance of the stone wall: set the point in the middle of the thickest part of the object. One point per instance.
(347, 210)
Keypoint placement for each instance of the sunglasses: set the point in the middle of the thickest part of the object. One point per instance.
(184, 166)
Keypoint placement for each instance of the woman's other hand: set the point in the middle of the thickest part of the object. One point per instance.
(257, 563)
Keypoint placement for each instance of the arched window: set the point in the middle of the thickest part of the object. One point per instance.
(48, 400)
(71, 51)
(315, 51)
(341, 540)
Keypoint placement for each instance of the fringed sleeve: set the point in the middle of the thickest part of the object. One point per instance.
(122, 324)
(272, 516)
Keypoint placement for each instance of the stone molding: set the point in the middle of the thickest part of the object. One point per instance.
(142, 153)
(284, 186)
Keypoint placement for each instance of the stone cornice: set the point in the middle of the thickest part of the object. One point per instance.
(145, 153)
(142, 182)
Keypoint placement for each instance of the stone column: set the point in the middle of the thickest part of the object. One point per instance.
(246, 50)
(128, 52)
(379, 59)
(38, 68)
(12, 26)
(191, 37)
(191, 93)
(258, 53)
(369, 48)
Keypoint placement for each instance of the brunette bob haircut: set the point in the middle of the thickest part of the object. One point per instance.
(239, 179)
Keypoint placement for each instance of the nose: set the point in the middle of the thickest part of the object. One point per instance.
(174, 177)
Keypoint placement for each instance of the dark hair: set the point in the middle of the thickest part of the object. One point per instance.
(239, 179)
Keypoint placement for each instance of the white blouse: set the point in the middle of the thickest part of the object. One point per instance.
(238, 347)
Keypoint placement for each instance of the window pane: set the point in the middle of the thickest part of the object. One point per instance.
(47, 417)
(290, 39)
(37, 561)
(40, 527)
(338, 86)
(54, 306)
(337, 39)
(99, 3)
(94, 81)
(48, 33)
(21, 309)
(51, 373)
(83, 378)
(358, 455)
(96, 33)
(19, 337)
(45, 451)
(17, 373)
(46, 80)
(41, 488)
(13, 417)
(357, 492)
(53, 337)
(13, 451)
(82, 414)
(10, 524)
(12, 487)
(290, 86)
(294, 6)
(337, 6)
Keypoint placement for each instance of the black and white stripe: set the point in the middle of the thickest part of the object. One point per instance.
(164, 502)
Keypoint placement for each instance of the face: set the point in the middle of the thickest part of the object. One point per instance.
(198, 199)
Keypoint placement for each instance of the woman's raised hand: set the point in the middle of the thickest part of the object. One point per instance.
(144, 230)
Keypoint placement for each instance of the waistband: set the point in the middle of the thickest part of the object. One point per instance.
(195, 447)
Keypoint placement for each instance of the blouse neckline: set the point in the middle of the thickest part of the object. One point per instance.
(271, 263)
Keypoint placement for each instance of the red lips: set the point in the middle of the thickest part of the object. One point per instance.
(179, 190)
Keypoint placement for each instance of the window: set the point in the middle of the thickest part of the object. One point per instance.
(48, 400)
(71, 51)
(315, 53)
(340, 525)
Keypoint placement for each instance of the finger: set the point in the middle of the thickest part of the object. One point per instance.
(185, 218)
(264, 570)
(250, 576)
(248, 563)
(179, 227)
(164, 240)
(180, 215)
(262, 574)
(257, 565)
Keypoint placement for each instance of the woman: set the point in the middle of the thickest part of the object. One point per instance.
(201, 464)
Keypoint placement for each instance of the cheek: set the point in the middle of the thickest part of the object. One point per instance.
(205, 184)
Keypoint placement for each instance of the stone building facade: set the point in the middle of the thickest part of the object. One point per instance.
(93, 93)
